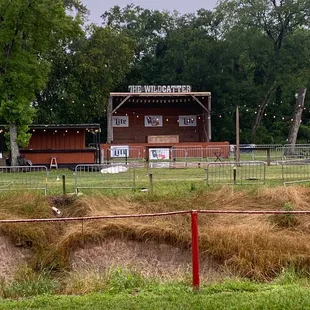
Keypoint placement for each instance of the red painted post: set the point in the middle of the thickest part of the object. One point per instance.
(195, 250)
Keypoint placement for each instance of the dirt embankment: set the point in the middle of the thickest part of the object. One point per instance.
(11, 257)
(257, 247)
(149, 258)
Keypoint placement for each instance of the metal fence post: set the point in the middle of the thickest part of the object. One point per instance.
(235, 174)
(134, 178)
(151, 182)
(64, 185)
(195, 250)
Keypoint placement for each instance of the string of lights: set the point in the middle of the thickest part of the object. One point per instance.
(218, 114)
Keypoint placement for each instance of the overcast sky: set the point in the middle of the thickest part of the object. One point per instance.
(98, 7)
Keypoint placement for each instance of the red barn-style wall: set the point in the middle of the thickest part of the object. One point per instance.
(137, 132)
(66, 143)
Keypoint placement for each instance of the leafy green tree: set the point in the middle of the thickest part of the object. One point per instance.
(83, 75)
(274, 22)
(146, 27)
(28, 32)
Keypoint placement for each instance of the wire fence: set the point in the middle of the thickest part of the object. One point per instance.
(270, 153)
(163, 175)
(23, 178)
(296, 171)
(104, 176)
(237, 173)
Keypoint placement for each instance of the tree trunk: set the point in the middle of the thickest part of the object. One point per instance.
(14, 146)
(299, 107)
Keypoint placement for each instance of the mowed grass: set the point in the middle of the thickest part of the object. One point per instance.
(176, 178)
(229, 295)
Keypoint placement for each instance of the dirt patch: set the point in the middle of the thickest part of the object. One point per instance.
(149, 258)
(11, 257)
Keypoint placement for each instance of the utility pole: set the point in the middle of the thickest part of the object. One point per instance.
(237, 135)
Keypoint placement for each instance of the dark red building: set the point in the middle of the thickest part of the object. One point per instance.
(70, 144)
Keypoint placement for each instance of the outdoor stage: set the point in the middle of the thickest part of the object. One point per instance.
(161, 122)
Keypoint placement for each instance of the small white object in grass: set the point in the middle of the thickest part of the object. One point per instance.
(56, 211)
(114, 169)
(57, 178)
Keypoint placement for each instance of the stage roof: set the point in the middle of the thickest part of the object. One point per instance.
(64, 126)
(179, 94)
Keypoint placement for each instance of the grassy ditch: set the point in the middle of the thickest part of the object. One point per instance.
(256, 247)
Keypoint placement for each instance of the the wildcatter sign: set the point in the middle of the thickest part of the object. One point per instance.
(160, 88)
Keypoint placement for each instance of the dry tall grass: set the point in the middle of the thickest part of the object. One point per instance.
(254, 246)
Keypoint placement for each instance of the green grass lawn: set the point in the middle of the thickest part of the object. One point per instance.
(228, 295)
(163, 179)
(176, 179)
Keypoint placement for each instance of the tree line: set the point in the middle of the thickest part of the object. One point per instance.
(57, 68)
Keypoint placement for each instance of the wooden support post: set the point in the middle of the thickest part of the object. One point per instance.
(268, 156)
(109, 120)
(206, 117)
(209, 119)
(237, 135)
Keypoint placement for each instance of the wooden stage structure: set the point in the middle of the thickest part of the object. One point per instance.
(65, 143)
(163, 117)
